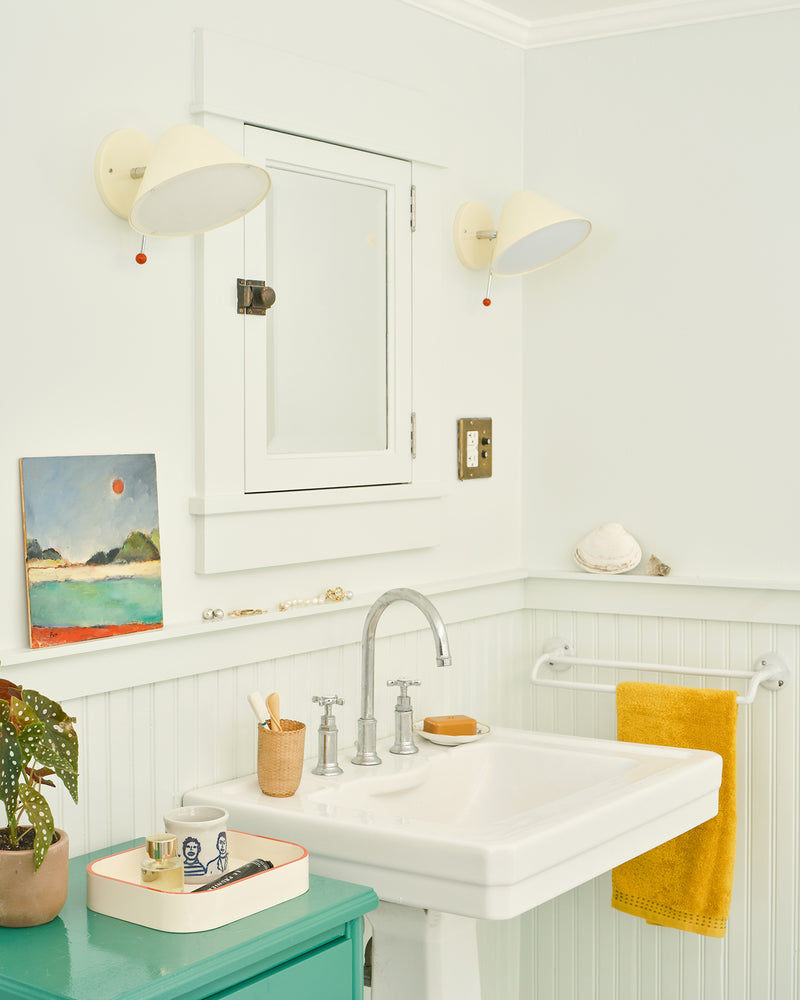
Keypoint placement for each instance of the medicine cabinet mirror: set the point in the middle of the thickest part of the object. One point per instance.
(327, 370)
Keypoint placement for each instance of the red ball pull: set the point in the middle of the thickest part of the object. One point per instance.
(141, 256)
(487, 301)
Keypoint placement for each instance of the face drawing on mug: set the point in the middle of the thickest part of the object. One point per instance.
(192, 865)
(220, 862)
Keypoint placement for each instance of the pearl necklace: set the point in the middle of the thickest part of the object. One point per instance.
(337, 594)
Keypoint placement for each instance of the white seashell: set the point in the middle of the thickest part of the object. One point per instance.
(608, 549)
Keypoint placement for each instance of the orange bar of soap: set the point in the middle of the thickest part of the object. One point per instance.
(450, 725)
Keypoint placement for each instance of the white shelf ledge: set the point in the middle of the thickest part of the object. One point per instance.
(759, 601)
(185, 649)
(669, 581)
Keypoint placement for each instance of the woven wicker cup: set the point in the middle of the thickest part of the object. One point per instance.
(280, 758)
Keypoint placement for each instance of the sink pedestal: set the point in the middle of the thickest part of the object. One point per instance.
(423, 954)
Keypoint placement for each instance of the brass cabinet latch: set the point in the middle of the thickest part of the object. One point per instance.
(253, 298)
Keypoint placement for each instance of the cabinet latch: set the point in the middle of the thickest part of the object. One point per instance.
(253, 298)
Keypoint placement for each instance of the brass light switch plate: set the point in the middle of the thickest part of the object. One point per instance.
(474, 447)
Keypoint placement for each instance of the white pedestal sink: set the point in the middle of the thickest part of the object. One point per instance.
(488, 829)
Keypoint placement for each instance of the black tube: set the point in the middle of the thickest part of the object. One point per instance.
(251, 868)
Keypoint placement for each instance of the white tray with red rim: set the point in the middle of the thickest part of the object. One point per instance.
(114, 887)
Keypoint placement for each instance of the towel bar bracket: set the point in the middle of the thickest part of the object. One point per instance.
(779, 672)
(560, 647)
(769, 670)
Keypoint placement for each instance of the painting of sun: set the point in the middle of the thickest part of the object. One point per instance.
(92, 547)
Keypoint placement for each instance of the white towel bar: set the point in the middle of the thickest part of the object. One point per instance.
(769, 670)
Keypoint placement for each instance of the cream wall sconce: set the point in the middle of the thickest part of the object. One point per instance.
(532, 233)
(187, 182)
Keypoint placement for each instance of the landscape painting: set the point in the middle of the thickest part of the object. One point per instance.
(92, 547)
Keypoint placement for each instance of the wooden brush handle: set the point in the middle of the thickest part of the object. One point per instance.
(274, 709)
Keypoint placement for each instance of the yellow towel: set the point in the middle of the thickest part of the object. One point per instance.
(687, 882)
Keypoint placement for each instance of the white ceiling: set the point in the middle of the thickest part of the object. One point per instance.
(533, 23)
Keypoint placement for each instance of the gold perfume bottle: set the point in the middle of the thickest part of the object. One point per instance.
(162, 869)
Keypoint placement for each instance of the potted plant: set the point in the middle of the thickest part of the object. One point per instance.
(37, 743)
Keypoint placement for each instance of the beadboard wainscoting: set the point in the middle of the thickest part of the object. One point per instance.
(143, 745)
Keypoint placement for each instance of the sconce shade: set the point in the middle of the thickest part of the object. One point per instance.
(534, 232)
(194, 183)
(188, 182)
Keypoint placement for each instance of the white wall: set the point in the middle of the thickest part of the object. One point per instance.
(661, 357)
(618, 129)
(660, 365)
(99, 351)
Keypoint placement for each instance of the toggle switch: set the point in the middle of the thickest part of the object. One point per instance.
(474, 447)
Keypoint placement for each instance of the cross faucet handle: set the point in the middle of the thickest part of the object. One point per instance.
(403, 685)
(403, 718)
(328, 737)
(326, 702)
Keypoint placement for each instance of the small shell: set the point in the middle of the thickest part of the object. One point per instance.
(657, 568)
(608, 549)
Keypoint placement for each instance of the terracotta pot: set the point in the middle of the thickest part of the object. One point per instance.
(28, 897)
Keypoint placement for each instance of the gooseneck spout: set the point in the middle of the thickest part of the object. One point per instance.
(367, 724)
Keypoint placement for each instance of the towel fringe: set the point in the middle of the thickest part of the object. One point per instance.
(660, 915)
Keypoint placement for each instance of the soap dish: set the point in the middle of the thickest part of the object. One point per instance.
(451, 741)
(114, 887)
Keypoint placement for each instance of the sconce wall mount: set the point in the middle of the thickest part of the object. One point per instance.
(473, 233)
(119, 167)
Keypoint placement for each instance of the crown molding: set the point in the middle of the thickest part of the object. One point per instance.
(603, 23)
(479, 16)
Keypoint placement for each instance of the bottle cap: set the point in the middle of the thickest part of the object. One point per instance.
(160, 846)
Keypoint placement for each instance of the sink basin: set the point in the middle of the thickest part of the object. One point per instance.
(478, 787)
(488, 829)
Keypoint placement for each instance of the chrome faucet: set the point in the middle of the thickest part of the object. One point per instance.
(367, 725)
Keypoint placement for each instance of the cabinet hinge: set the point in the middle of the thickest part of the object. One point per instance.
(413, 208)
(413, 435)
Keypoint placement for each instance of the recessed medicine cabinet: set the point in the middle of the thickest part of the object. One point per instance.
(304, 414)
(328, 367)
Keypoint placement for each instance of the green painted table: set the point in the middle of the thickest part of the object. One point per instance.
(305, 949)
